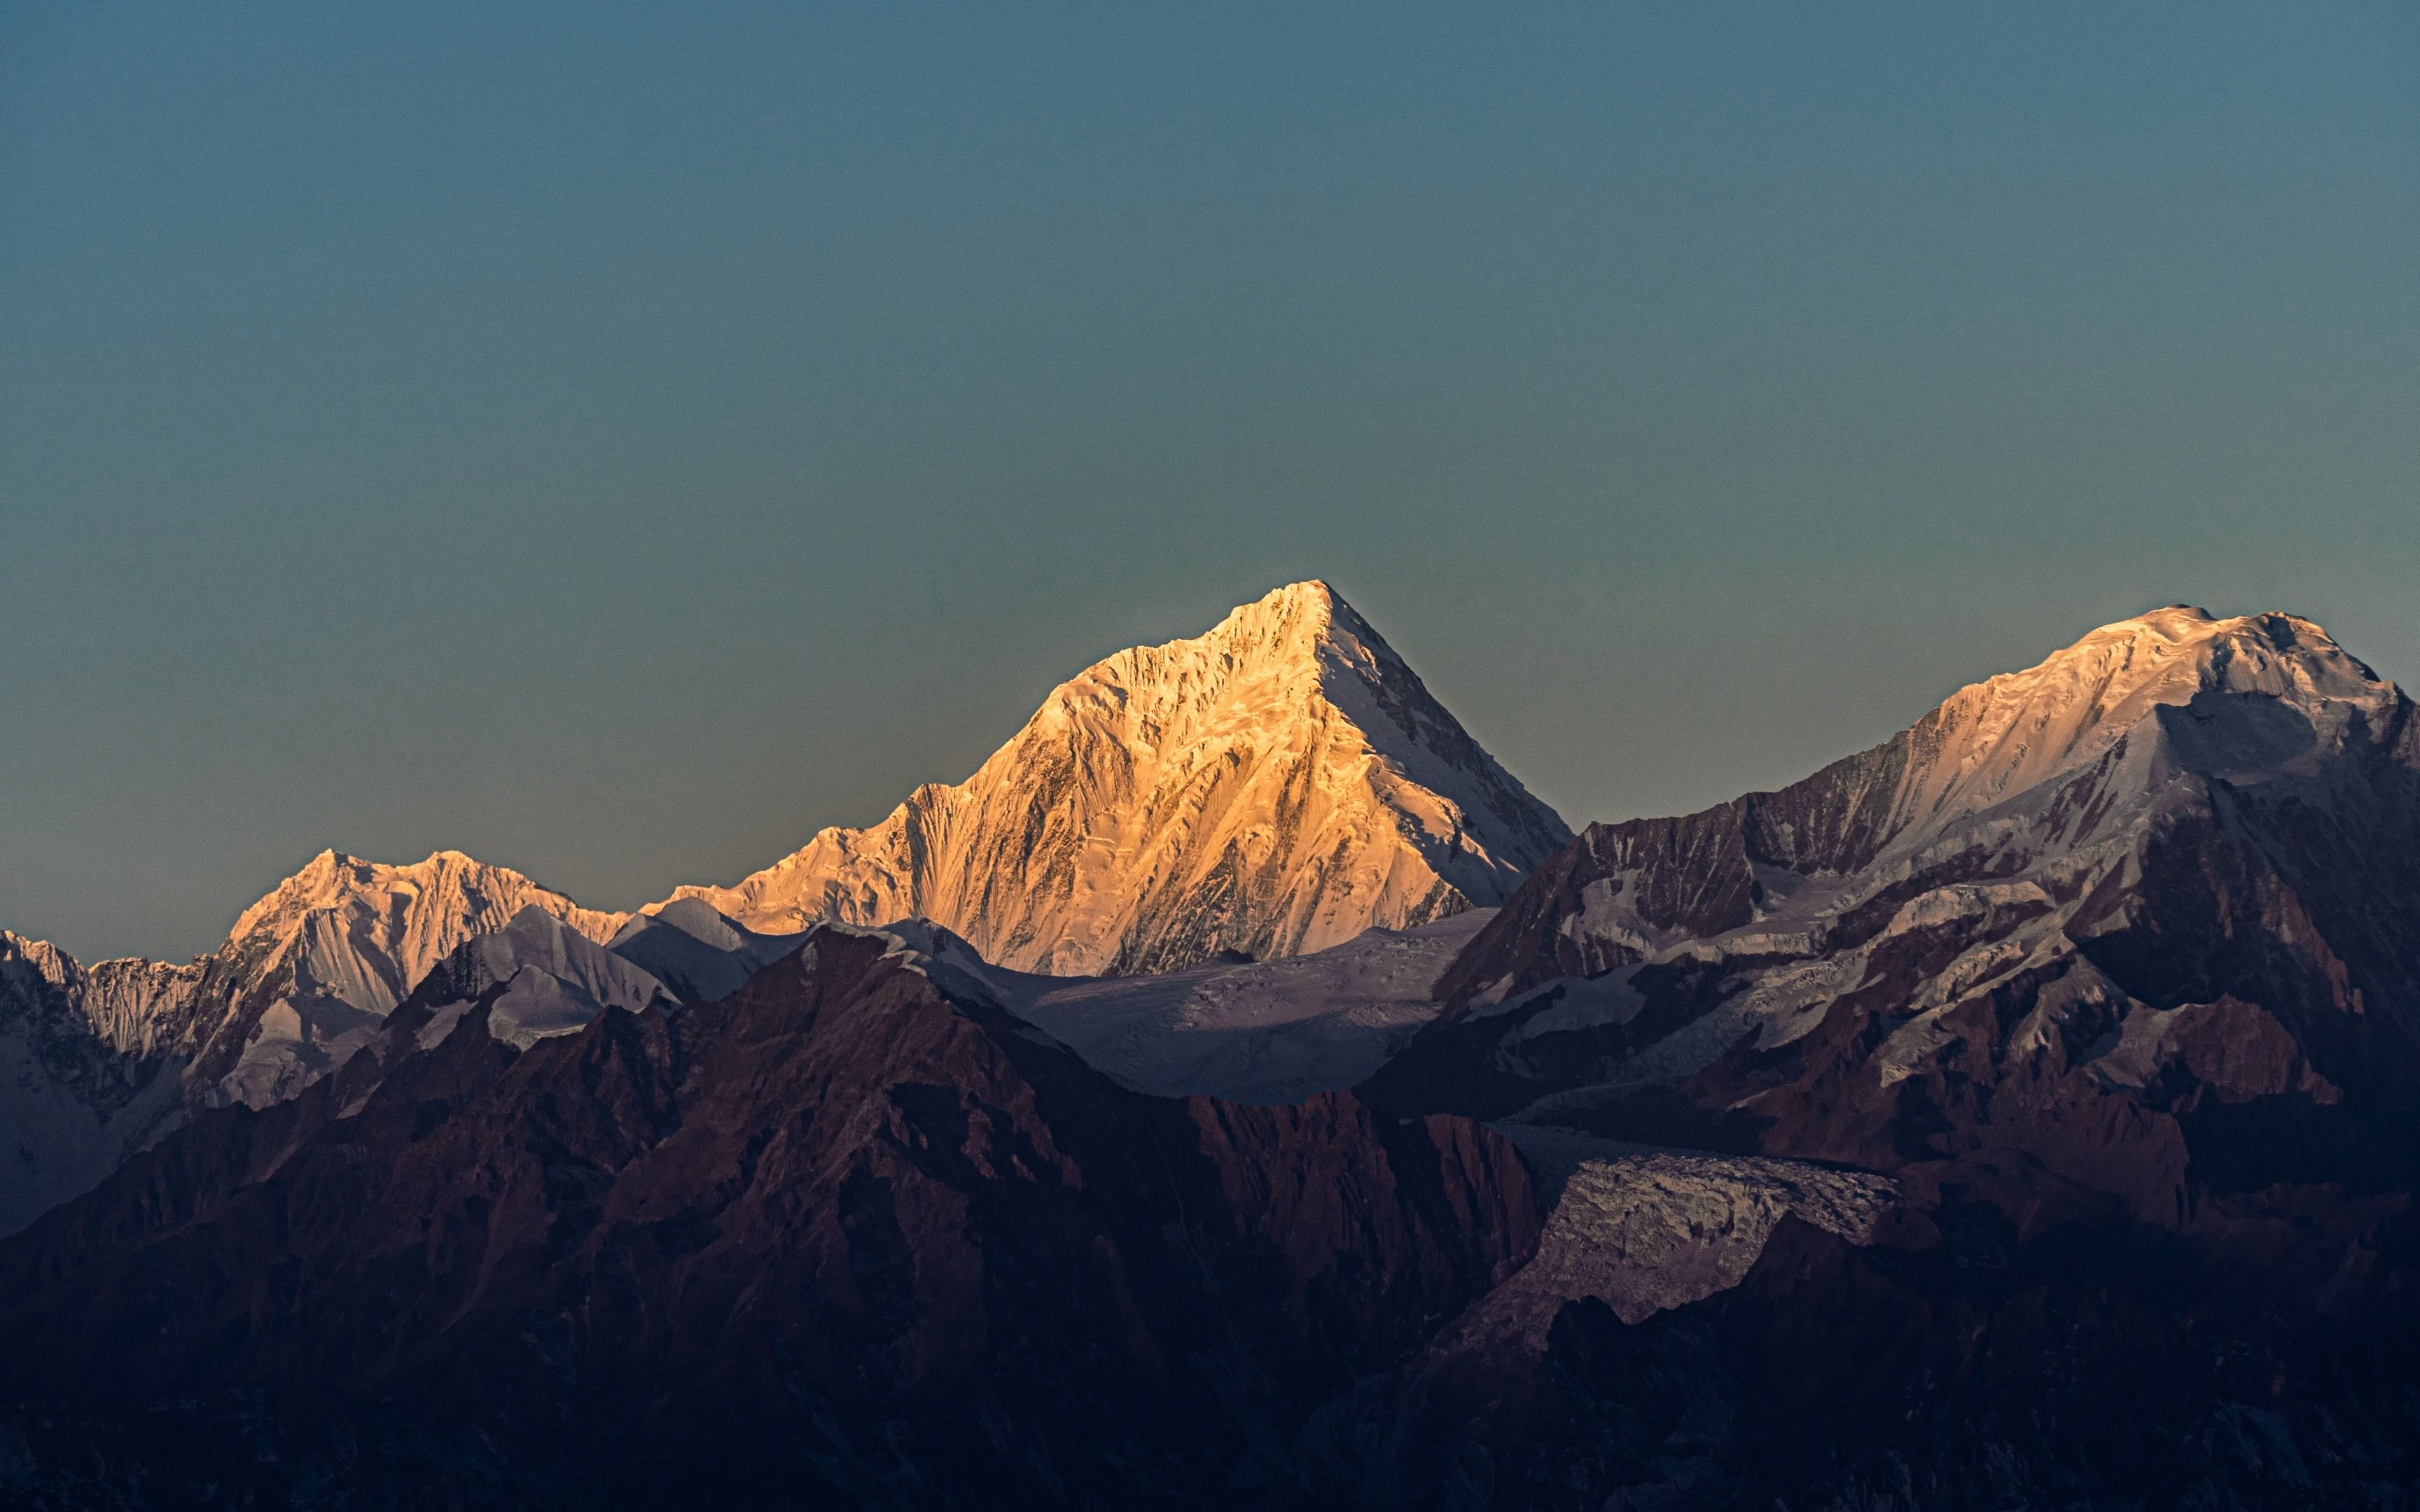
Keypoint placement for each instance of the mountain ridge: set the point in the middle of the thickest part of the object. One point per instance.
(2015, 1113)
(1278, 785)
(2175, 867)
(2052, 730)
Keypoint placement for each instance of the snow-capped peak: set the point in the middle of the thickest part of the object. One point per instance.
(410, 916)
(331, 951)
(2254, 693)
(696, 951)
(1277, 785)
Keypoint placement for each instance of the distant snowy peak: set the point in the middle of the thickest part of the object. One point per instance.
(365, 932)
(2242, 695)
(303, 980)
(2060, 759)
(2015, 831)
(556, 979)
(331, 951)
(2120, 931)
(1275, 786)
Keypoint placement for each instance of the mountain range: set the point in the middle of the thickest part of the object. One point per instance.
(1241, 1092)
(1277, 785)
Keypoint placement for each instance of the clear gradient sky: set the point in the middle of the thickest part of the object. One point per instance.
(615, 440)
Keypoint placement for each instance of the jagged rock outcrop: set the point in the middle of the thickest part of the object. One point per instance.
(1644, 1230)
(1273, 787)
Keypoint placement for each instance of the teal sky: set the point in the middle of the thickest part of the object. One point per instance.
(616, 440)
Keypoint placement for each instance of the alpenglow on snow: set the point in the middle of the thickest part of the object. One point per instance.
(1274, 787)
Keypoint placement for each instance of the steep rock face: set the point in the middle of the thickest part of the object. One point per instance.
(1275, 786)
(2143, 916)
(103, 1058)
(846, 1234)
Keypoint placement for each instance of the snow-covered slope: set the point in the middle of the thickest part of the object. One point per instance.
(2179, 854)
(554, 979)
(1254, 1032)
(1273, 787)
(695, 951)
(326, 956)
(1244, 1031)
(2182, 691)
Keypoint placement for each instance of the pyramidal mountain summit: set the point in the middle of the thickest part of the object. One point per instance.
(1241, 1092)
(1273, 787)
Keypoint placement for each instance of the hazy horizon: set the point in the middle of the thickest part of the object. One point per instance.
(616, 445)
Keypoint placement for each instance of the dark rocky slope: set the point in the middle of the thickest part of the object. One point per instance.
(842, 1239)
(1946, 1368)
